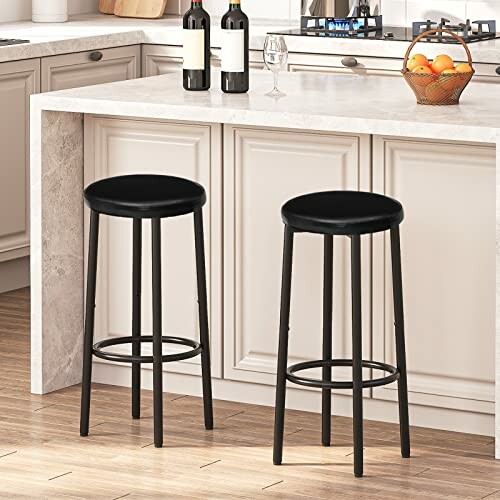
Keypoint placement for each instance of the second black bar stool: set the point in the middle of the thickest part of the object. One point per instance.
(352, 214)
(146, 197)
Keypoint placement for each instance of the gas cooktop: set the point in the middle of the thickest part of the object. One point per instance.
(471, 32)
(11, 41)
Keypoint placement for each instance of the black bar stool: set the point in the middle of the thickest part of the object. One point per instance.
(348, 213)
(146, 197)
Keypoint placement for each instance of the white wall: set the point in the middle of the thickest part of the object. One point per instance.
(17, 10)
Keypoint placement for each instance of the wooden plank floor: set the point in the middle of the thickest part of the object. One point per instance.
(42, 455)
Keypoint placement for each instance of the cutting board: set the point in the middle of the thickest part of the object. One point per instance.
(148, 9)
(107, 6)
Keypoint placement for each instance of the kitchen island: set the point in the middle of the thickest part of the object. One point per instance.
(253, 152)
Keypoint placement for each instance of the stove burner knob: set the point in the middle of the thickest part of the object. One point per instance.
(349, 62)
(498, 70)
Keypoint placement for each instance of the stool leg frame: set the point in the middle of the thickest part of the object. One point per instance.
(357, 368)
(157, 334)
(89, 324)
(136, 316)
(286, 283)
(203, 318)
(326, 407)
(397, 287)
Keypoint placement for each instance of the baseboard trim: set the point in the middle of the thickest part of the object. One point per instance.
(297, 399)
(14, 274)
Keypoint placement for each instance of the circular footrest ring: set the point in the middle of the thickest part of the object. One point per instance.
(311, 382)
(97, 349)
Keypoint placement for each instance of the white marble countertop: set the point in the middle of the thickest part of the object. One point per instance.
(341, 103)
(98, 31)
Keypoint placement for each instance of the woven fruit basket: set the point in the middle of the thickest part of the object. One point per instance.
(437, 89)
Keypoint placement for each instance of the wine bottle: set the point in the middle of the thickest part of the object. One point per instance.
(234, 53)
(196, 50)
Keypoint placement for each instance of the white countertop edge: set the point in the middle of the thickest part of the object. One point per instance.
(297, 121)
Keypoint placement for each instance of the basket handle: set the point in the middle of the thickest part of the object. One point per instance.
(423, 35)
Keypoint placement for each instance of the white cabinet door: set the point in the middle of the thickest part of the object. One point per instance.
(162, 59)
(117, 146)
(18, 80)
(262, 169)
(448, 256)
(90, 68)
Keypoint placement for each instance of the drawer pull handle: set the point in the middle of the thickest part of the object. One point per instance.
(96, 56)
(349, 62)
(498, 70)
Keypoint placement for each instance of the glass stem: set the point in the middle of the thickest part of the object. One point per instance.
(275, 73)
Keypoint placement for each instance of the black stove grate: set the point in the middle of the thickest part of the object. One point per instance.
(469, 31)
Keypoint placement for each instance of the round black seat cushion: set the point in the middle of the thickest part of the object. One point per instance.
(342, 212)
(145, 196)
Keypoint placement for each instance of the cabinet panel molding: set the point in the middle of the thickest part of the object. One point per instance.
(264, 168)
(448, 254)
(118, 146)
(18, 81)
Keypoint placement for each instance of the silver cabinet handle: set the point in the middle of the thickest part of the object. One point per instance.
(498, 70)
(349, 62)
(96, 56)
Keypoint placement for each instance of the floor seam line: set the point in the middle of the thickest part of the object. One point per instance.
(274, 484)
(123, 496)
(43, 407)
(489, 494)
(211, 463)
(60, 475)
(234, 414)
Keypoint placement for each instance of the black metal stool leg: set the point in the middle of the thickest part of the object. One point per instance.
(327, 339)
(397, 287)
(157, 334)
(357, 368)
(286, 283)
(89, 323)
(203, 318)
(136, 316)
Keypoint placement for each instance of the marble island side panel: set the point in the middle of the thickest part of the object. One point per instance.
(57, 265)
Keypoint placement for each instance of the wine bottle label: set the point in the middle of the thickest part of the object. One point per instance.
(233, 51)
(194, 49)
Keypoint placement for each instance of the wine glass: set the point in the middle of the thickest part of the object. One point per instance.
(275, 57)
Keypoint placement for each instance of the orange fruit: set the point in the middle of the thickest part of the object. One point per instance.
(425, 77)
(442, 62)
(417, 60)
(465, 71)
(463, 68)
(449, 82)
